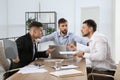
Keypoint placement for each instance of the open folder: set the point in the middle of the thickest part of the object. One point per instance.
(67, 73)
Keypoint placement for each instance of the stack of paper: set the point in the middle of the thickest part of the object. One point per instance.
(67, 73)
(69, 67)
(31, 69)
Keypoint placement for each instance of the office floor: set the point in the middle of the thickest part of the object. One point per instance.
(1, 72)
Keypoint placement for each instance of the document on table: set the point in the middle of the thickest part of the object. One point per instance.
(45, 45)
(69, 67)
(31, 69)
(53, 60)
(63, 67)
(68, 52)
(67, 73)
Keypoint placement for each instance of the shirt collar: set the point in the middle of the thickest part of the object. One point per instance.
(94, 34)
(67, 35)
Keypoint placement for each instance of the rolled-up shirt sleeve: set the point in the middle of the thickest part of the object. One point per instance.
(49, 37)
(79, 39)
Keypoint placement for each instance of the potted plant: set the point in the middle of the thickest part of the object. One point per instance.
(50, 30)
(29, 21)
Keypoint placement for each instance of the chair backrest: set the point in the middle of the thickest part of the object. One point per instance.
(3, 60)
(117, 73)
(10, 47)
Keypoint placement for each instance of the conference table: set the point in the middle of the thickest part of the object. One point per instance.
(47, 76)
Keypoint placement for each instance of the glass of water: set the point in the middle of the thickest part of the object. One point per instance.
(58, 64)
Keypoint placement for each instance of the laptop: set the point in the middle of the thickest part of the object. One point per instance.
(56, 53)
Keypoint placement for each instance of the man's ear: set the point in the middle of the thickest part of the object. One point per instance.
(90, 29)
(34, 30)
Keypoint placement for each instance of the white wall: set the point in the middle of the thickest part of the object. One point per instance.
(117, 30)
(3, 18)
(94, 13)
(16, 15)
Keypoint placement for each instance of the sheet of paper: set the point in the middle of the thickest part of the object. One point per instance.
(31, 69)
(45, 45)
(68, 52)
(53, 60)
(63, 67)
(69, 67)
(82, 47)
(63, 73)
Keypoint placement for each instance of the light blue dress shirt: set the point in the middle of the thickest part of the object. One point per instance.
(69, 38)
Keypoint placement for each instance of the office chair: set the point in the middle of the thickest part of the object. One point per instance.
(4, 62)
(115, 77)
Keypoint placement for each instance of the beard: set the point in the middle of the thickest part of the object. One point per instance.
(64, 32)
(85, 35)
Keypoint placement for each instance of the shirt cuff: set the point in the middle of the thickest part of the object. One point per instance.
(86, 55)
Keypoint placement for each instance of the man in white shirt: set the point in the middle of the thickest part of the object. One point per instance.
(98, 51)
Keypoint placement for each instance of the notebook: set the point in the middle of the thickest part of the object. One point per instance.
(67, 73)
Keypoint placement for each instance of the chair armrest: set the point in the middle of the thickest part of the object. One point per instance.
(9, 73)
(12, 70)
(101, 75)
(113, 70)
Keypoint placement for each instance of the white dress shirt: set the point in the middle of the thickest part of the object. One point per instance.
(99, 52)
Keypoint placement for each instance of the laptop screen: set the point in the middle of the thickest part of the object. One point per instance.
(56, 53)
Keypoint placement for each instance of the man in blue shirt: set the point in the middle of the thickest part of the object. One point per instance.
(63, 36)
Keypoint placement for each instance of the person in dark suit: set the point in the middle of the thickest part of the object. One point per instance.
(26, 45)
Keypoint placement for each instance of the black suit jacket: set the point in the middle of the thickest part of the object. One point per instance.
(25, 50)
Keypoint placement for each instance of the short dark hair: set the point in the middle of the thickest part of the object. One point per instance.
(91, 23)
(35, 24)
(61, 20)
